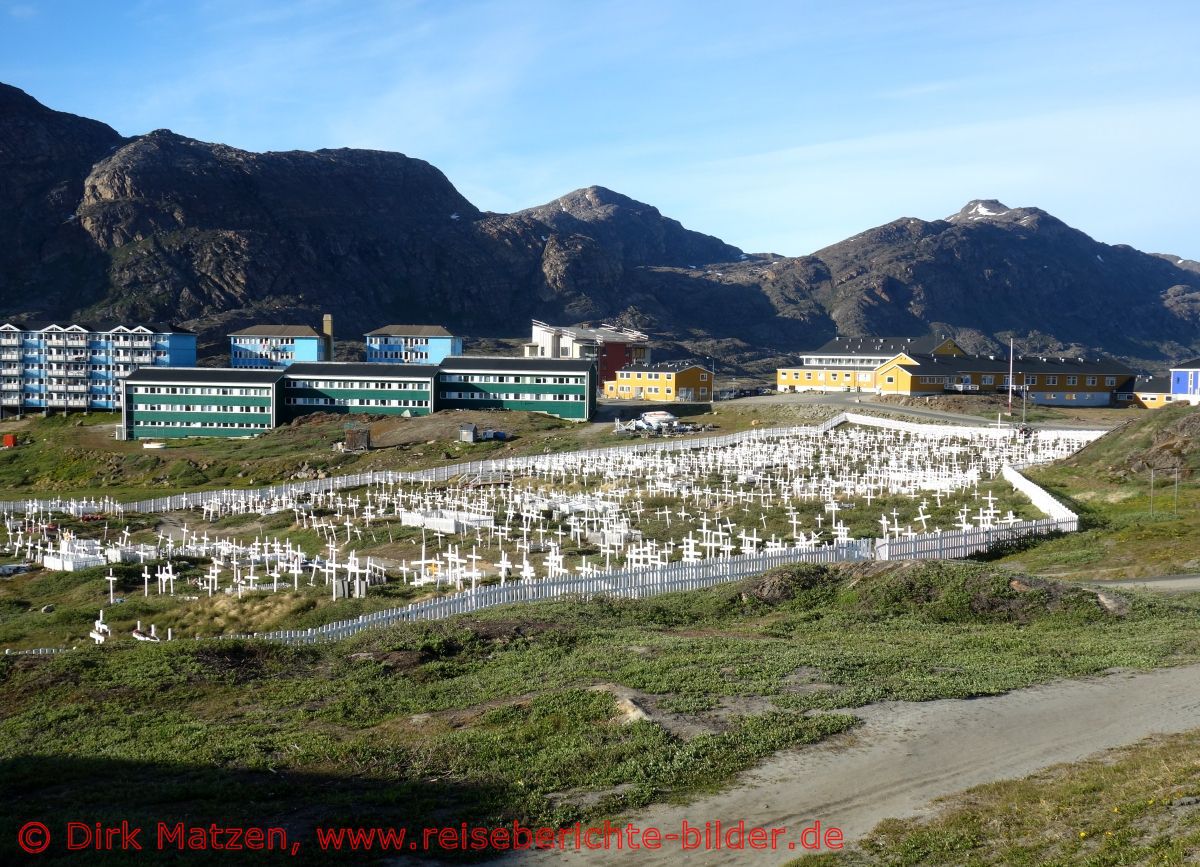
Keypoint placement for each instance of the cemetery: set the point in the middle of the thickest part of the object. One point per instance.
(630, 520)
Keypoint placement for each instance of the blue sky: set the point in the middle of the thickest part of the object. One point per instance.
(778, 126)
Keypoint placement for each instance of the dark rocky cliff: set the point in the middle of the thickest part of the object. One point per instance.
(164, 227)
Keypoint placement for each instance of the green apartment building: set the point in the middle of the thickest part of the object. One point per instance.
(160, 402)
(222, 401)
(381, 389)
(562, 387)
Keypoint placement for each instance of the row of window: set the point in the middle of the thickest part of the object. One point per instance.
(266, 341)
(200, 389)
(479, 395)
(834, 376)
(333, 401)
(398, 341)
(416, 357)
(625, 374)
(653, 389)
(984, 379)
(853, 361)
(195, 407)
(248, 425)
(360, 385)
(495, 377)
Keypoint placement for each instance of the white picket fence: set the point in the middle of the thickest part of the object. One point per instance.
(963, 543)
(642, 583)
(628, 584)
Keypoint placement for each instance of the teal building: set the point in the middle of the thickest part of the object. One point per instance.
(562, 387)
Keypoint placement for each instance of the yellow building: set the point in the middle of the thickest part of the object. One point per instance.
(661, 382)
(850, 363)
(1146, 399)
(1042, 380)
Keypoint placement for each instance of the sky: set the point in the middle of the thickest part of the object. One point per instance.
(777, 126)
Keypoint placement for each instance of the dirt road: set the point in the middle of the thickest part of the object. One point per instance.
(906, 754)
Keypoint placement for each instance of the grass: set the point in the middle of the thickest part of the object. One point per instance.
(511, 714)
(1124, 533)
(1136, 805)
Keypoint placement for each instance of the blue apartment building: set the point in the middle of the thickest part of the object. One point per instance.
(411, 344)
(275, 347)
(1185, 382)
(69, 366)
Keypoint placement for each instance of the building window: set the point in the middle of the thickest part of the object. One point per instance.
(1051, 380)
(1110, 380)
(1091, 380)
(1072, 380)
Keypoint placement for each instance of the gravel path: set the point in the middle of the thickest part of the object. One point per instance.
(908, 753)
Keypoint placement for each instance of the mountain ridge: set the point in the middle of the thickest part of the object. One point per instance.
(162, 226)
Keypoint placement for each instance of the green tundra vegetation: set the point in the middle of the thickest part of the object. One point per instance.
(545, 713)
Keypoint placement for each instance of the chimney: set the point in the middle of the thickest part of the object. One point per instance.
(327, 335)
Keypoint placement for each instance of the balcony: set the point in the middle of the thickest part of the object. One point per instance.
(11, 370)
(77, 388)
(10, 340)
(143, 357)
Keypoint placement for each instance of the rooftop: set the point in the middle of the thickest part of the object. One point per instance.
(511, 362)
(360, 369)
(944, 364)
(410, 331)
(604, 332)
(1194, 364)
(95, 327)
(664, 366)
(276, 331)
(207, 375)
(879, 345)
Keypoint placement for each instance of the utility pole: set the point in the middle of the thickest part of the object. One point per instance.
(1177, 492)
(1152, 492)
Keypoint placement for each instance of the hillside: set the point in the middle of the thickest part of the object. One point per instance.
(161, 226)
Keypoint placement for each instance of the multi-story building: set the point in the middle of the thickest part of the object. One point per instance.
(663, 382)
(277, 346)
(849, 363)
(611, 347)
(1042, 380)
(562, 387)
(1185, 382)
(226, 401)
(411, 344)
(77, 367)
(199, 401)
(384, 389)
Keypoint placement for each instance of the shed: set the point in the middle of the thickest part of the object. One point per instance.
(467, 433)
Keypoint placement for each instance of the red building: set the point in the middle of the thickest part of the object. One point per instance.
(610, 346)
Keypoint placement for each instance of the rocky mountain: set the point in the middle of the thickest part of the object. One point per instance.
(161, 226)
